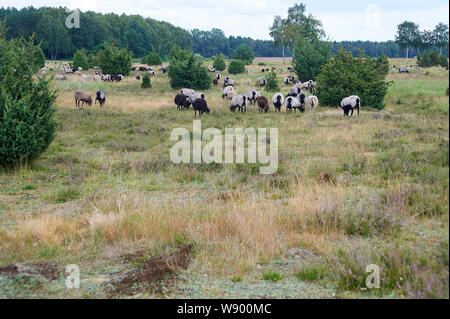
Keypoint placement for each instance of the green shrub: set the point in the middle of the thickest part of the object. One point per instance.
(146, 82)
(114, 60)
(444, 61)
(244, 53)
(272, 276)
(80, 60)
(311, 273)
(185, 70)
(92, 60)
(38, 58)
(236, 67)
(27, 125)
(428, 59)
(343, 75)
(262, 64)
(219, 63)
(272, 81)
(309, 57)
(152, 59)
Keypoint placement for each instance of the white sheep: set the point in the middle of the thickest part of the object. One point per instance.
(240, 102)
(350, 103)
(312, 102)
(252, 95)
(226, 90)
(187, 92)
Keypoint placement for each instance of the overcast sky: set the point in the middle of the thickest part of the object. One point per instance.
(374, 20)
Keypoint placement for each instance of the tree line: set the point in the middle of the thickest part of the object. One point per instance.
(142, 35)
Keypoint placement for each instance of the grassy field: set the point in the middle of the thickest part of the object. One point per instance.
(348, 193)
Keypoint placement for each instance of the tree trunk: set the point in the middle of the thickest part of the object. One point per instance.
(440, 51)
(284, 61)
(407, 53)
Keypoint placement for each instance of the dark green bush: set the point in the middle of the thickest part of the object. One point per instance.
(152, 59)
(309, 57)
(80, 60)
(236, 67)
(185, 70)
(244, 53)
(27, 125)
(343, 75)
(114, 60)
(38, 58)
(272, 81)
(444, 61)
(428, 59)
(219, 63)
(146, 84)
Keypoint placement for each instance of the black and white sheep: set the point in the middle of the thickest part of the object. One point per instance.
(294, 91)
(226, 90)
(350, 103)
(278, 101)
(252, 96)
(187, 92)
(100, 96)
(240, 102)
(228, 82)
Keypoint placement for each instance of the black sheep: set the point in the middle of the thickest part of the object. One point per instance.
(181, 101)
(200, 106)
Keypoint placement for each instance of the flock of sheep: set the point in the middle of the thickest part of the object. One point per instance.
(295, 98)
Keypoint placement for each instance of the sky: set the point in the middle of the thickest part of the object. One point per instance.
(373, 20)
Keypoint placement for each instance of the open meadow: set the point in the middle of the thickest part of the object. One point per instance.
(348, 193)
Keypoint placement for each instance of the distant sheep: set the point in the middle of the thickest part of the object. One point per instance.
(215, 82)
(349, 104)
(83, 97)
(312, 102)
(228, 82)
(403, 69)
(252, 96)
(60, 77)
(218, 76)
(100, 96)
(212, 69)
(200, 106)
(261, 82)
(263, 104)
(278, 101)
(240, 102)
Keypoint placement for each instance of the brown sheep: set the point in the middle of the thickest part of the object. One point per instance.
(82, 96)
(263, 104)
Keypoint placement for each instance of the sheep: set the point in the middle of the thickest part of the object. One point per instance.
(226, 90)
(138, 77)
(218, 76)
(231, 95)
(246, 71)
(263, 104)
(350, 103)
(294, 91)
(261, 81)
(212, 69)
(163, 69)
(151, 72)
(291, 103)
(60, 77)
(194, 97)
(82, 96)
(312, 102)
(187, 92)
(96, 77)
(278, 101)
(239, 101)
(181, 101)
(215, 82)
(263, 70)
(106, 77)
(200, 106)
(403, 69)
(100, 96)
(228, 82)
(252, 96)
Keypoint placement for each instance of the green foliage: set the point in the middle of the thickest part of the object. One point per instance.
(146, 82)
(92, 60)
(382, 65)
(152, 59)
(344, 75)
(236, 67)
(38, 58)
(272, 81)
(27, 125)
(244, 53)
(428, 59)
(219, 63)
(309, 56)
(272, 276)
(80, 60)
(312, 273)
(185, 70)
(444, 61)
(114, 60)
(262, 64)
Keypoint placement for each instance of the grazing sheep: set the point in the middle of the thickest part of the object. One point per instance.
(215, 82)
(194, 97)
(226, 90)
(231, 95)
(239, 101)
(228, 82)
(100, 96)
(211, 69)
(200, 106)
(403, 69)
(349, 104)
(218, 76)
(151, 72)
(181, 101)
(138, 77)
(261, 82)
(263, 104)
(246, 71)
(106, 77)
(82, 96)
(294, 91)
(263, 70)
(187, 92)
(294, 103)
(278, 101)
(286, 81)
(163, 69)
(60, 77)
(252, 96)
(312, 102)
